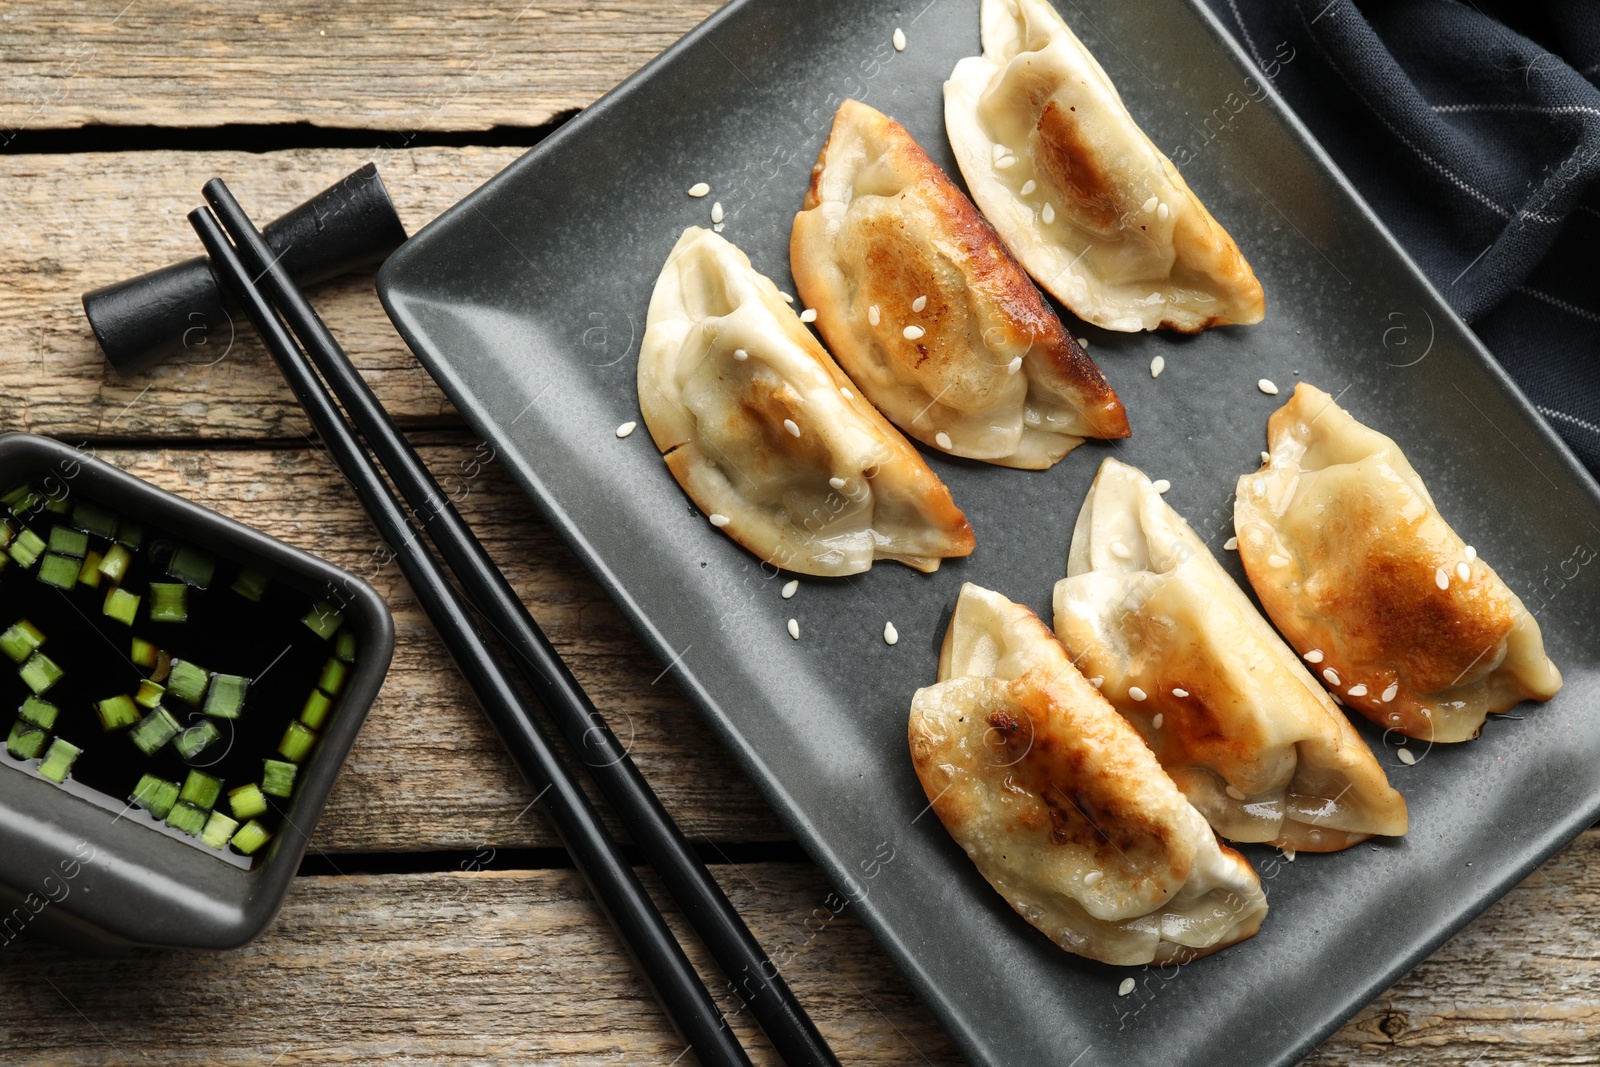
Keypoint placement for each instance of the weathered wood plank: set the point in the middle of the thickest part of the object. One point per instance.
(427, 772)
(76, 222)
(381, 64)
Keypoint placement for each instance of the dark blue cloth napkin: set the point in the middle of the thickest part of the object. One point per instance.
(1473, 130)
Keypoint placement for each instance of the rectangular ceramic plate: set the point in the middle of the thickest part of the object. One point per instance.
(527, 302)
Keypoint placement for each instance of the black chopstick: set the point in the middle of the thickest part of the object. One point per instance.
(621, 896)
(713, 916)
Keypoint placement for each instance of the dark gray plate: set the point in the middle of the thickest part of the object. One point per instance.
(527, 302)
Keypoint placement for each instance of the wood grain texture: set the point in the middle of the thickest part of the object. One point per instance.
(426, 772)
(77, 222)
(374, 64)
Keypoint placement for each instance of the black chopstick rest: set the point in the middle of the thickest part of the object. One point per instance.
(182, 310)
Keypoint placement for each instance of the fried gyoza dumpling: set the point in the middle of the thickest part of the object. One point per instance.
(1090, 206)
(1060, 804)
(1364, 577)
(765, 434)
(929, 313)
(1240, 725)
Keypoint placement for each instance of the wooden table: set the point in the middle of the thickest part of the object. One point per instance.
(436, 919)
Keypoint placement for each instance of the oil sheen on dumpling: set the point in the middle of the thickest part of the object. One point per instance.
(765, 433)
(1243, 729)
(1099, 216)
(928, 312)
(1062, 807)
(1356, 566)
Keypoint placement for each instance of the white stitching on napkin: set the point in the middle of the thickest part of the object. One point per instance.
(1571, 309)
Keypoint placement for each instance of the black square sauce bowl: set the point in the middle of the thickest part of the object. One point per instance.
(80, 862)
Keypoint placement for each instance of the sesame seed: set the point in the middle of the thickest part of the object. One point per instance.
(1356, 691)
(1092, 877)
(794, 431)
(1005, 163)
(1156, 722)
(1288, 853)
(626, 428)
(1336, 699)
(997, 152)
(1161, 485)
(913, 333)
(1152, 203)
(1125, 988)
(1266, 385)
(1231, 545)
(1048, 213)
(1314, 656)
(717, 214)
(1015, 365)
(1158, 365)
(1405, 756)
(1276, 560)
(1163, 212)
(1234, 792)
(699, 189)
(790, 588)
(787, 297)
(1266, 457)
(1441, 578)
(794, 629)
(1389, 693)
(808, 315)
(1260, 486)
(1180, 693)
(942, 439)
(1097, 681)
(1331, 675)
(899, 39)
(740, 355)
(719, 520)
(1083, 343)
(891, 636)
(873, 316)
(919, 303)
(848, 393)
(1135, 693)
(1120, 550)
(717, 227)
(1463, 572)
(1029, 186)
(1471, 553)
(837, 483)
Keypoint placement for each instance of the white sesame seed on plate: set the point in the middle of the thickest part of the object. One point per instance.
(1158, 365)
(942, 439)
(1463, 572)
(899, 39)
(808, 315)
(1441, 578)
(1314, 656)
(717, 214)
(699, 189)
(891, 636)
(790, 588)
(919, 303)
(1083, 343)
(837, 483)
(1356, 691)
(719, 520)
(1156, 722)
(1135, 693)
(789, 424)
(1120, 550)
(1276, 560)
(1029, 186)
(1092, 877)
(848, 393)
(1231, 545)
(1471, 553)
(1268, 386)
(1234, 791)
(740, 355)
(1288, 854)
(1097, 681)
(1161, 485)
(1180, 693)
(1331, 675)
(1152, 203)
(794, 629)
(1125, 988)
(1406, 756)
(1163, 212)
(626, 428)
(1266, 457)
(1389, 693)
(717, 227)
(913, 333)
(1015, 365)
(873, 315)
(1260, 486)
(1048, 213)
(788, 298)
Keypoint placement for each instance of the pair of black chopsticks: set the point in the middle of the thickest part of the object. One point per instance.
(595, 853)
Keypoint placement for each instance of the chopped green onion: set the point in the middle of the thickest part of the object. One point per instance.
(218, 829)
(115, 563)
(296, 743)
(251, 584)
(91, 518)
(131, 534)
(58, 505)
(315, 713)
(20, 639)
(196, 739)
(40, 672)
(121, 605)
(155, 795)
(187, 681)
(188, 818)
(7, 532)
(41, 713)
(21, 500)
(226, 698)
(201, 790)
(59, 571)
(117, 712)
(149, 694)
(332, 679)
(58, 760)
(344, 647)
(69, 542)
(250, 837)
(324, 619)
(154, 730)
(277, 777)
(247, 801)
(13, 495)
(169, 602)
(26, 548)
(143, 654)
(192, 566)
(25, 741)
(89, 573)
